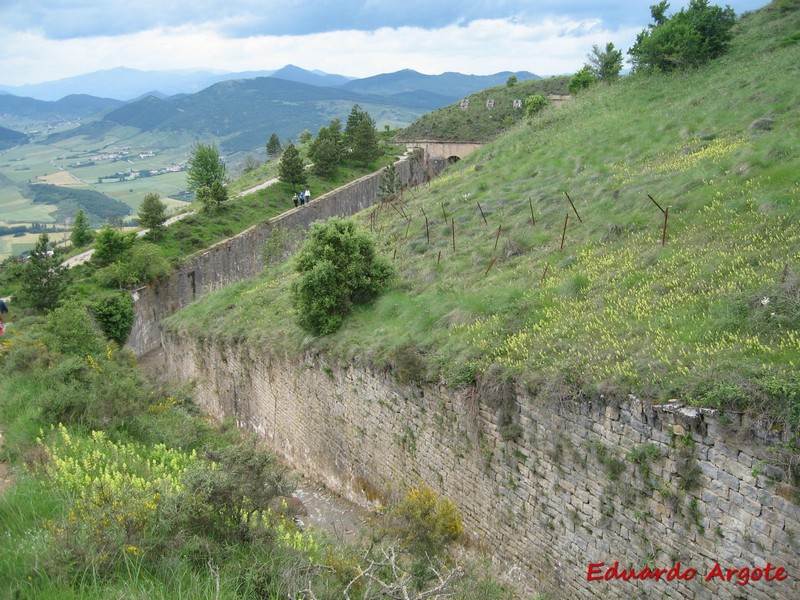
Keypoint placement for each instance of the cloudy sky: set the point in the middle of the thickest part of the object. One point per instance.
(43, 40)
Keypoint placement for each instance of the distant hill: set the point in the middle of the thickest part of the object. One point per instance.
(450, 85)
(126, 84)
(10, 138)
(69, 107)
(318, 78)
(122, 83)
(242, 114)
(475, 121)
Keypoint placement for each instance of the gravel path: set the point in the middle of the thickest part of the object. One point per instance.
(83, 257)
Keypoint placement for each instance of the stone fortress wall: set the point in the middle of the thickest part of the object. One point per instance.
(548, 490)
(551, 491)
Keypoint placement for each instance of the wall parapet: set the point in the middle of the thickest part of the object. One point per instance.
(548, 490)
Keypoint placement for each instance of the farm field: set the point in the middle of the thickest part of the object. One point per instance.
(103, 165)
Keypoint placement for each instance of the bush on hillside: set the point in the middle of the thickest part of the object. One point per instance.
(426, 522)
(115, 316)
(110, 245)
(339, 269)
(69, 330)
(689, 38)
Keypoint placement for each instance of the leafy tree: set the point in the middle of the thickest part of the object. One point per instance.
(605, 64)
(338, 268)
(581, 80)
(206, 167)
(273, 146)
(326, 152)
(291, 169)
(511, 81)
(110, 245)
(689, 38)
(534, 104)
(42, 278)
(81, 234)
(212, 196)
(152, 214)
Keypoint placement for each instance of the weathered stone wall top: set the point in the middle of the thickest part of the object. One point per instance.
(558, 494)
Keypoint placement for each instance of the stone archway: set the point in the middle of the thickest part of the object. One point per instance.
(443, 150)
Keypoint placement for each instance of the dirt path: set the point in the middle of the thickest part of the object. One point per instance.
(260, 186)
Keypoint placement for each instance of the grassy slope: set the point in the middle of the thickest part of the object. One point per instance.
(476, 122)
(712, 318)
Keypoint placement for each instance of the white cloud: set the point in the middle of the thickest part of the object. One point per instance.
(53, 39)
(481, 47)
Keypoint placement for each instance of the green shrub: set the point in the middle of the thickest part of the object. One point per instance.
(689, 38)
(220, 498)
(110, 245)
(97, 391)
(535, 104)
(114, 315)
(69, 330)
(339, 269)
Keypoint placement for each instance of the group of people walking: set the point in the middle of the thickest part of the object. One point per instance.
(301, 198)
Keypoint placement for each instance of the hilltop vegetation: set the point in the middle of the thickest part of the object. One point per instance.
(483, 115)
(587, 302)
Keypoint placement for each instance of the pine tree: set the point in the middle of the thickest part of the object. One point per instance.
(81, 234)
(291, 169)
(325, 152)
(361, 136)
(273, 146)
(389, 188)
(42, 278)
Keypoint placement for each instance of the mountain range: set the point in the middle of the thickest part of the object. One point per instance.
(243, 109)
(127, 84)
